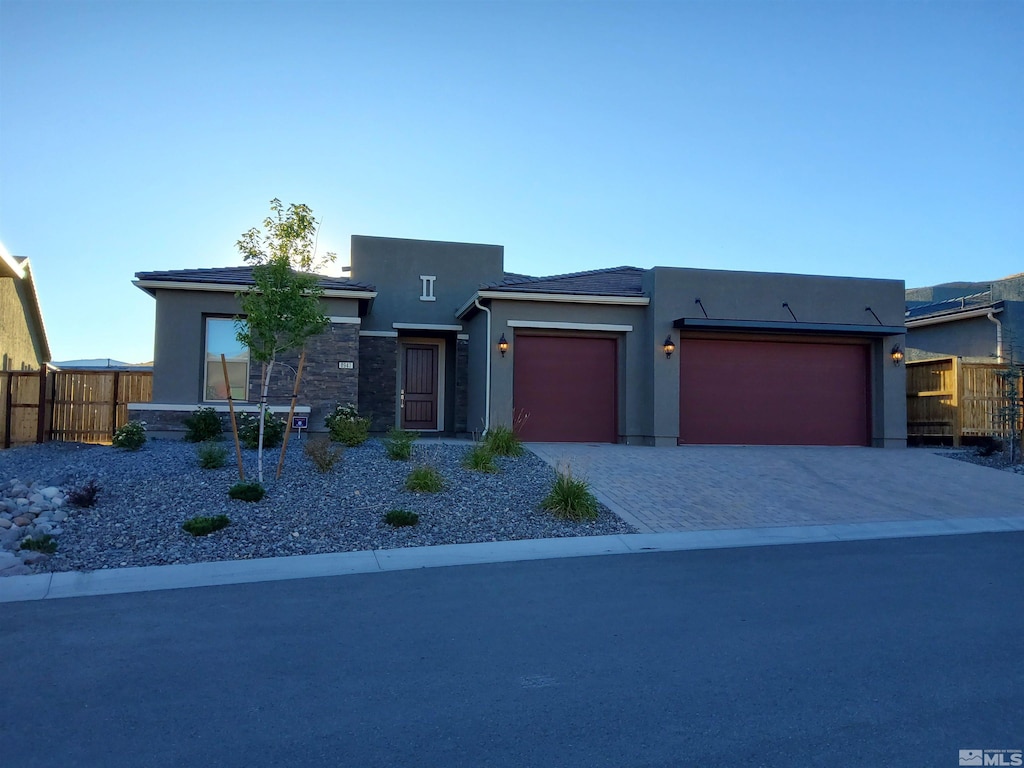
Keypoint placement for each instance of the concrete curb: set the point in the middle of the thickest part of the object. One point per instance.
(48, 586)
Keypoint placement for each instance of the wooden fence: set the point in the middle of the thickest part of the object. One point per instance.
(948, 399)
(84, 406)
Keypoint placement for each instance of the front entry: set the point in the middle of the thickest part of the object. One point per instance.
(419, 386)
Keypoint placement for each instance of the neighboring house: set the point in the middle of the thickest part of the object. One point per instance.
(101, 364)
(23, 344)
(437, 337)
(979, 322)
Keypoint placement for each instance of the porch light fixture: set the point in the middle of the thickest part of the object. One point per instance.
(669, 347)
(503, 345)
(897, 354)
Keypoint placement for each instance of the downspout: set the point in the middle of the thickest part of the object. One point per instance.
(487, 385)
(999, 336)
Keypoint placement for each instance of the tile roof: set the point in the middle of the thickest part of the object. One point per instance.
(950, 306)
(240, 276)
(614, 281)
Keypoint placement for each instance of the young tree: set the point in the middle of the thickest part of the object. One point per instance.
(282, 310)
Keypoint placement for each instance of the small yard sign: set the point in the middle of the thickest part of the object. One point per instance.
(300, 422)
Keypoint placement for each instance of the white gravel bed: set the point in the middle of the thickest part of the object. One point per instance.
(146, 495)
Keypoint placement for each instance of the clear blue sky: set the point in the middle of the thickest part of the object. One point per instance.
(841, 138)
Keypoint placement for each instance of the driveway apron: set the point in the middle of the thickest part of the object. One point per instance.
(693, 488)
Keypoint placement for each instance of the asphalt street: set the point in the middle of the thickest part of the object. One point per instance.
(865, 653)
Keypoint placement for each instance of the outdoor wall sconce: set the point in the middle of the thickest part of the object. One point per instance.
(668, 346)
(503, 345)
(897, 354)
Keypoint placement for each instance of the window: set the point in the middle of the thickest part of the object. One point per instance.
(220, 340)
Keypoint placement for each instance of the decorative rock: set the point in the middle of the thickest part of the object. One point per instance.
(28, 557)
(60, 516)
(36, 498)
(5, 523)
(16, 570)
(22, 520)
(50, 492)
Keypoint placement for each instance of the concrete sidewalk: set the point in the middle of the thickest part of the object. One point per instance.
(121, 580)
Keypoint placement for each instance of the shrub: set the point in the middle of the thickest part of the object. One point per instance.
(479, 458)
(45, 543)
(85, 496)
(322, 453)
(502, 441)
(204, 424)
(247, 490)
(400, 518)
(424, 479)
(212, 456)
(130, 436)
(570, 498)
(200, 526)
(398, 444)
(347, 427)
(249, 430)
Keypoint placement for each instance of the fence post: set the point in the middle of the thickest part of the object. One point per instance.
(41, 408)
(958, 402)
(8, 399)
(115, 403)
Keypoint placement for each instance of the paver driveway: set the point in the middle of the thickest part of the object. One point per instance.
(692, 488)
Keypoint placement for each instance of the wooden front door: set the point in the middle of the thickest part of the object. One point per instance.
(419, 386)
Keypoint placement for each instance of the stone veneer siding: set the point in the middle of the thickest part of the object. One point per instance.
(378, 361)
(324, 385)
(462, 386)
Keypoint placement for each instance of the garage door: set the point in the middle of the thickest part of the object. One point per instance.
(566, 386)
(773, 393)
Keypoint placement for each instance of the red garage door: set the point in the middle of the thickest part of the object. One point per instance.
(566, 387)
(773, 393)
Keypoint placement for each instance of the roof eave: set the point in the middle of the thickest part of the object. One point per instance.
(564, 298)
(952, 317)
(150, 286)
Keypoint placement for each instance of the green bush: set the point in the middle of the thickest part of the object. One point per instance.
(502, 441)
(247, 490)
(398, 444)
(130, 436)
(479, 458)
(45, 543)
(570, 498)
(203, 424)
(212, 456)
(249, 430)
(200, 526)
(400, 518)
(322, 453)
(424, 479)
(347, 427)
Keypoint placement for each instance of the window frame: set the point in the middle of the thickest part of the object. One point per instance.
(206, 398)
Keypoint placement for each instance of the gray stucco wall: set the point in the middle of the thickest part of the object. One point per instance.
(394, 266)
(180, 339)
(759, 296)
(973, 339)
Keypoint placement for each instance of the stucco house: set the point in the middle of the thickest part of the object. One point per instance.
(979, 322)
(438, 337)
(23, 343)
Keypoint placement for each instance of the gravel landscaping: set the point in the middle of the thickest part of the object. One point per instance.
(999, 460)
(146, 495)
